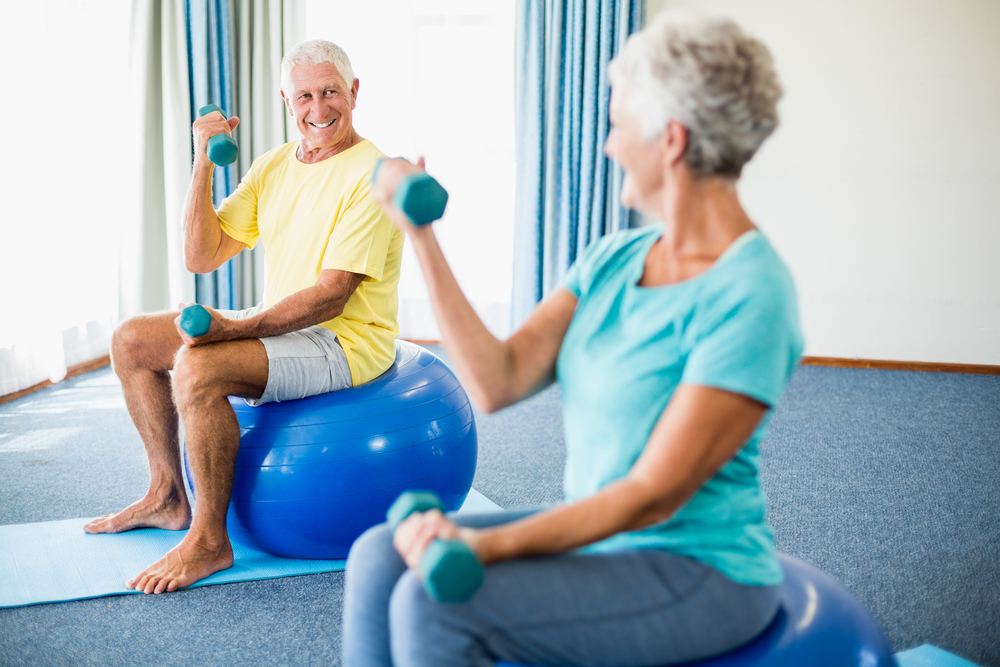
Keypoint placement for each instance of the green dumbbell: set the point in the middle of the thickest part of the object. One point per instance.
(449, 570)
(419, 196)
(222, 148)
(195, 320)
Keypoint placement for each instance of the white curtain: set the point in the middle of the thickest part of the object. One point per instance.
(63, 187)
(464, 53)
(259, 31)
(263, 31)
(153, 276)
(90, 216)
(152, 273)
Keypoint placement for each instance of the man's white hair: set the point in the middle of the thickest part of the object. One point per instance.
(708, 75)
(315, 52)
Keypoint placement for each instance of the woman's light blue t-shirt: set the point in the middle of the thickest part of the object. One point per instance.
(734, 327)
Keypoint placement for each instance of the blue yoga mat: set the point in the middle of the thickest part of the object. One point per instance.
(56, 561)
(930, 656)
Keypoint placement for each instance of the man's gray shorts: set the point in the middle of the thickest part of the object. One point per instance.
(301, 363)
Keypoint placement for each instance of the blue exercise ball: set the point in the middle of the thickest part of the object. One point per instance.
(313, 474)
(819, 624)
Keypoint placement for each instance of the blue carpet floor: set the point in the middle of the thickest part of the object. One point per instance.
(885, 479)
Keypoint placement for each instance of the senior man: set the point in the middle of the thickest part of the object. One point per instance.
(327, 322)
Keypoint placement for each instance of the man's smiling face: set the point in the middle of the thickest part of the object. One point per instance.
(322, 103)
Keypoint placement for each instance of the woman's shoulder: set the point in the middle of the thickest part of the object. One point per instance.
(627, 237)
(606, 256)
(754, 287)
(620, 246)
(757, 268)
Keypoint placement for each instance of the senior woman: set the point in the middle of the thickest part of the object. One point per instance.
(671, 344)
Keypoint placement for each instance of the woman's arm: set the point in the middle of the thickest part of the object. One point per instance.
(495, 373)
(701, 429)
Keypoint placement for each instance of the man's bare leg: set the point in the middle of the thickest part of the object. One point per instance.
(204, 378)
(142, 353)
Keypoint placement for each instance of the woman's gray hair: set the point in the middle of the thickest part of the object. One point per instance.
(708, 75)
(315, 52)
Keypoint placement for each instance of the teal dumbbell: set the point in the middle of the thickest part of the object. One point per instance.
(195, 320)
(419, 196)
(222, 148)
(449, 570)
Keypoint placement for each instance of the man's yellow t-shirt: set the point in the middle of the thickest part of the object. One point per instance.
(313, 217)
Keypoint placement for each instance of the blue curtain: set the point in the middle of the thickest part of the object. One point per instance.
(210, 73)
(567, 191)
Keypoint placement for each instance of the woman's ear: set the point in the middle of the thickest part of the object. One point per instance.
(674, 139)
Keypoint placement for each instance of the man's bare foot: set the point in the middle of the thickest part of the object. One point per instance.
(150, 512)
(190, 561)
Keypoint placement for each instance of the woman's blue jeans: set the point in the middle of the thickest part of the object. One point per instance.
(641, 607)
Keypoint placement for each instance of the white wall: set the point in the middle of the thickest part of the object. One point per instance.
(881, 187)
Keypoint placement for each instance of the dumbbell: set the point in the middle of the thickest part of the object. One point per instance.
(195, 320)
(449, 570)
(419, 196)
(222, 148)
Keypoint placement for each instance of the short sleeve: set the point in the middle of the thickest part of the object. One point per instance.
(360, 240)
(238, 212)
(750, 348)
(595, 259)
(571, 281)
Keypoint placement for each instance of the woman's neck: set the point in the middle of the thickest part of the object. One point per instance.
(701, 217)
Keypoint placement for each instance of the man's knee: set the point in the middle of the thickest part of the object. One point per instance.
(196, 375)
(131, 342)
(217, 370)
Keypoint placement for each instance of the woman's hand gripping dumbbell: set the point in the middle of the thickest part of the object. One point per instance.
(448, 568)
(410, 189)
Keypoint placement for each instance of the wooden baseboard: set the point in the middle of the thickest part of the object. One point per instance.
(882, 364)
(841, 362)
(836, 362)
(72, 371)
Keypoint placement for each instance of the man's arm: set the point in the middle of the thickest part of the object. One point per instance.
(206, 246)
(322, 302)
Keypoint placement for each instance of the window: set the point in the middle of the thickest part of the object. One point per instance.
(65, 69)
(437, 80)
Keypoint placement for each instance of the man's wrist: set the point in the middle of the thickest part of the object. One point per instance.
(231, 329)
(203, 166)
(251, 327)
